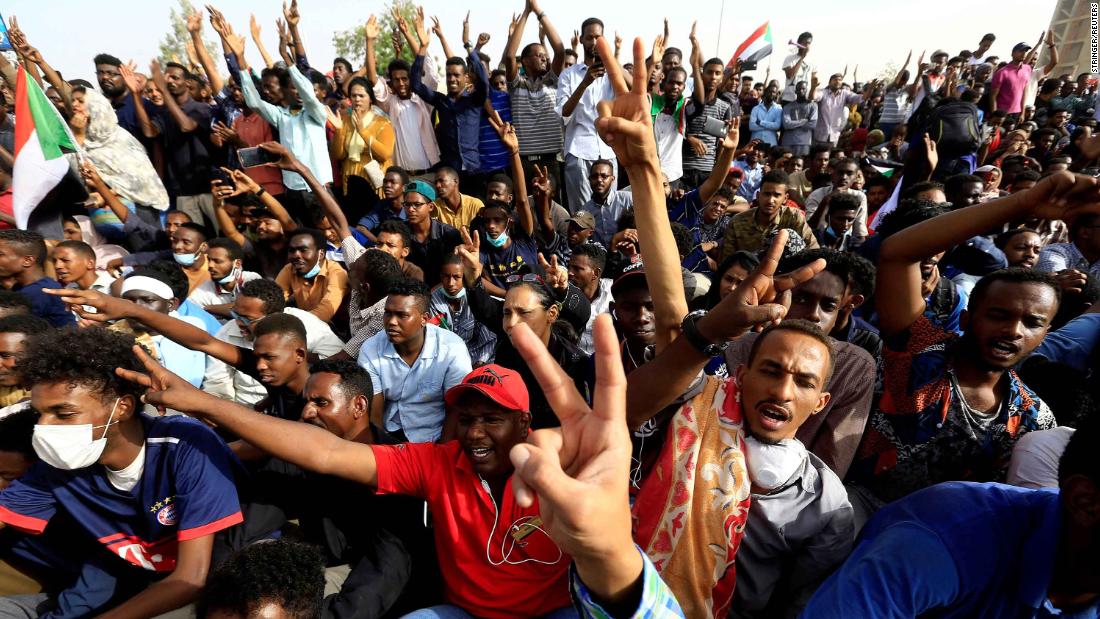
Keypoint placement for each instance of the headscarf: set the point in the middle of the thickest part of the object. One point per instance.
(118, 156)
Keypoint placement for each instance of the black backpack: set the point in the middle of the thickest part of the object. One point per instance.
(920, 115)
(953, 124)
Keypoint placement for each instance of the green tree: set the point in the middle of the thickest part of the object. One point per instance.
(174, 44)
(351, 43)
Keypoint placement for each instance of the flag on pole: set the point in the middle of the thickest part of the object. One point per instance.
(41, 137)
(5, 42)
(756, 47)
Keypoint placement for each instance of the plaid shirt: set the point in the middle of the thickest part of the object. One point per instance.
(657, 599)
(920, 434)
(480, 340)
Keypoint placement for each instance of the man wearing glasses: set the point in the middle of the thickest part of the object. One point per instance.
(432, 240)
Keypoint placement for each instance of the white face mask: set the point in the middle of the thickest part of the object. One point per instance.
(773, 464)
(70, 447)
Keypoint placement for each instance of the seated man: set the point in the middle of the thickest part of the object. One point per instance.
(225, 261)
(453, 207)
(152, 490)
(971, 554)
(255, 300)
(411, 365)
(151, 290)
(747, 231)
(74, 265)
(15, 331)
(833, 434)
(22, 257)
(953, 407)
(1082, 253)
(395, 238)
(509, 251)
(452, 309)
(189, 251)
(586, 268)
(843, 209)
(844, 175)
(314, 283)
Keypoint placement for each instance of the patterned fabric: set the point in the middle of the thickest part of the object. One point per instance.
(119, 157)
(657, 598)
(691, 509)
(480, 340)
(1061, 256)
(923, 433)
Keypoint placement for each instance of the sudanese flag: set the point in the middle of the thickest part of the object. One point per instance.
(41, 140)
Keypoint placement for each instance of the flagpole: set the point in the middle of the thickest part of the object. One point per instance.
(718, 43)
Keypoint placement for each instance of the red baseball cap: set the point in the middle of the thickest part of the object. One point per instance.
(499, 384)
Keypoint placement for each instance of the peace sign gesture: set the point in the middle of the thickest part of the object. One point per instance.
(470, 252)
(506, 132)
(624, 122)
(541, 181)
(555, 275)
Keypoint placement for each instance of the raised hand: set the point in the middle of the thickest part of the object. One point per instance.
(284, 36)
(658, 49)
(218, 21)
(733, 133)
(512, 25)
(164, 389)
(482, 39)
(371, 30)
(436, 27)
(194, 22)
(692, 37)
(291, 15)
(556, 277)
(16, 36)
(760, 299)
(532, 6)
(541, 181)
(930, 152)
(244, 183)
(129, 78)
(506, 132)
(287, 160)
(1064, 195)
(157, 75)
(395, 40)
(470, 252)
(625, 123)
(254, 26)
(421, 30)
(573, 42)
(90, 175)
(580, 471)
(618, 43)
(399, 19)
(107, 308)
(466, 29)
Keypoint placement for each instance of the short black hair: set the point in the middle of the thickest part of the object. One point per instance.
(268, 292)
(281, 323)
(409, 287)
(910, 212)
(318, 79)
(106, 59)
(16, 431)
(746, 260)
(171, 274)
(318, 237)
(26, 243)
(360, 81)
(14, 302)
(1002, 239)
(862, 273)
(398, 227)
(845, 201)
(591, 21)
(343, 61)
(503, 179)
(381, 269)
(672, 51)
(1082, 222)
(354, 379)
(1022, 175)
(230, 246)
(836, 262)
(27, 324)
(596, 255)
(799, 326)
(920, 187)
(197, 228)
(820, 148)
(176, 65)
(398, 65)
(1013, 275)
(284, 572)
(717, 61)
(80, 247)
(776, 177)
(447, 171)
(685, 241)
(87, 357)
(956, 182)
(456, 61)
(602, 162)
(398, 170)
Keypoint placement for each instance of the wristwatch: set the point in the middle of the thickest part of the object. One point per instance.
(691, 333)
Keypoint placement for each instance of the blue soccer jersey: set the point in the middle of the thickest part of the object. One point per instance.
(187, 490)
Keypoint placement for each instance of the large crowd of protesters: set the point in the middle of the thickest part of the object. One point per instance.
(580, 331)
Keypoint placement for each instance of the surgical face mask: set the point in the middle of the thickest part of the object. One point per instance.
(461, 294)
(772, 464)
(499, 241)
(316, 268)
(70, 447)
(185, 259)
(232, 277)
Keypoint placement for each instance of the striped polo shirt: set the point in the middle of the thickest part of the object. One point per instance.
(538, 124)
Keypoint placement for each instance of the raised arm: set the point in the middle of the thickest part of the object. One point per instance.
(511, 48)
(254, 27)
(292, 17)
(178, 116)
(219, 192)
(722, 162)
(552, 36)
(110, 308)
(194, 28)
(96, 183)
(148, 129)
(898, 79)
(403, 28)
(371, 32)
(438, 30)
(508, 137)
(1052, 61)
(299, 443)
(899, 298)
(698, 93)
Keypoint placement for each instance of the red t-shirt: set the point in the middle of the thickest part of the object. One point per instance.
(254, 130)
(6, 208)
(464, 514)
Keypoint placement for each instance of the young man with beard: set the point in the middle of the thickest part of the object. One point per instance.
(668, 120)
(953, 407)
(184, 130)
(533, 91)
(225, 262)
(801, 183)
(766, 118)
(312, 281)
(412, 364)
(114, 88)
(606, 204)
(415, 150)
(832, 111)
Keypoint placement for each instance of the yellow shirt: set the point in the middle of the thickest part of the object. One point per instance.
(320, 296)
(467, 209)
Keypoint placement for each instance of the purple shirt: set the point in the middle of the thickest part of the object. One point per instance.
(1011, 81)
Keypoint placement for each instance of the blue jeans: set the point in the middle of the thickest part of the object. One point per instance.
(448, 611)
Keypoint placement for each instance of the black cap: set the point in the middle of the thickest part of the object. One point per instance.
(1020, 47)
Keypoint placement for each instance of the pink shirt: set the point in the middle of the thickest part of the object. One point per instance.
(1011, 81)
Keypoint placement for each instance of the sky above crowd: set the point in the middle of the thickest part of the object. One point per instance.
(870, 33)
